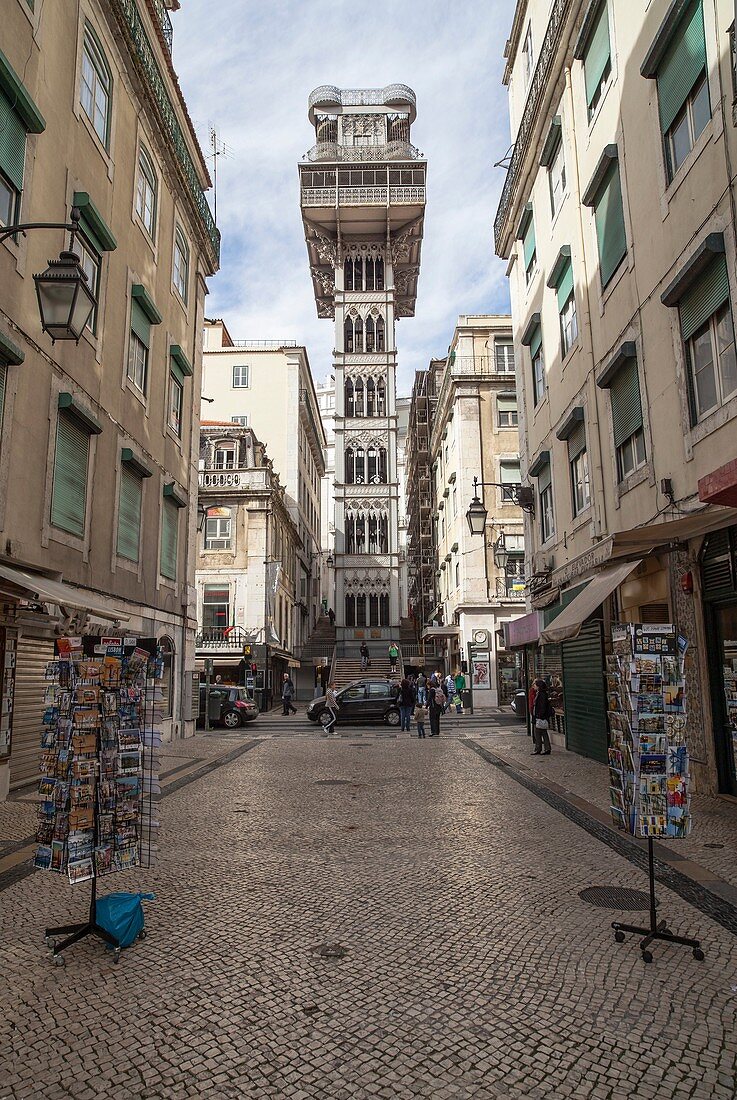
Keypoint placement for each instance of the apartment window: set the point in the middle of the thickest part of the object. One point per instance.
(130, 500)
(535, 341)
(506, 410)
(240, 377)
(527, 56)
(218, 529)
(137, 362)
(18, 117)
(562, 280)
(596, 55)
(526, 233)
(242, 420)
(557, 176)
(169, 539)
(146, 188)
(629, 436)
(225, 456)
(510, 479)
(71, 465)
(8, 198)
(708, 332)
(96, 86)
(504, 356)
(458, 574)
(176, 400)
(604, 196)
(143, 315)
(578, 464)
(215, 606)
(683, 91)
(90, 264)
(545, 500)
(180, 267)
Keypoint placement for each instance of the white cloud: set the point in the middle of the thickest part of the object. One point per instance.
(249, 67)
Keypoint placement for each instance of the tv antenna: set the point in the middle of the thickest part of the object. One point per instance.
(219, 149)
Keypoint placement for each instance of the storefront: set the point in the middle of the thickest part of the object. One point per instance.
(719, 593)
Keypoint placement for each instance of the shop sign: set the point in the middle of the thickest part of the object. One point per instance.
(654, 639)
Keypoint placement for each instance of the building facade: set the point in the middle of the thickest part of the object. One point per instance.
(248, 598)
(267, 385)
(362, 190)
(617, 220)
(326, 403)
(421, 565)
(473, 435)
(97, 532)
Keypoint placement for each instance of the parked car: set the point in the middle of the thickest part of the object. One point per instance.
(361, 701)
(519, 704)
(229, 706)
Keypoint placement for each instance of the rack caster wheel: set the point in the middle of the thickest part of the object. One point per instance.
(142, 934)
(59, 960)
(50, 942)
(647, 956)
(116, 956)
(619, 936)
(698, 954)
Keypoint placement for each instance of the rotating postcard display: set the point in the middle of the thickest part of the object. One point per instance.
(99, 763)
(648, 755)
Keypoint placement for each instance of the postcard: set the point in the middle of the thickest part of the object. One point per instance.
(45, 831)
(87, 695)
(81, 817)
(674, 699)
(80, 871)
(42, 858)
(58, 855)
(127, 857)
(84, 744)
(104, 859)
(129, 761)
(619, 817)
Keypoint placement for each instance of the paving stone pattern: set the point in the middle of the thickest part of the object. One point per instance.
(470, 967)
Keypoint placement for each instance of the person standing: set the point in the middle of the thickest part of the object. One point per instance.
(460, 686)
(393, 655)
(332, 706)
(435, 709)
(364, 656)
(287, 694)
(420, 718)
(542, 712)
(406, 700)
(331, 616)
(421, 687)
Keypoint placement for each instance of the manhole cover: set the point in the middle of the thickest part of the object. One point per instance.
(615, 897)
(331, 951)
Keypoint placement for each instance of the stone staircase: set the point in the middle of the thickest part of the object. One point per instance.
(348, 669)
(321, 641)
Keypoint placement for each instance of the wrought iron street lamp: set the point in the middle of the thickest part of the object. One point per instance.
(329, 561)
(65, 300)
(476, 513)
(501, 554)
(202, 514)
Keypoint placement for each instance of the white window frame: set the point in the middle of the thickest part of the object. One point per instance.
(101, 82)
(568, 324)
(547, 513)
(137, 368)
(580, 484)
(538, 392)
(687, 112)
(528, 66)
(557, 178)
(627, 451)
(721, 395)
(238, 375)
(242, 420)
(174, 417)
(218, 532)
(506, 347)
(180, 265)
(147, 191)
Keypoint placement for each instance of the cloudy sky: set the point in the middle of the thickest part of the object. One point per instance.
(247, 66)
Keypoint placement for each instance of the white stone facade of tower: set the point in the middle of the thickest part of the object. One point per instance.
(362, 197)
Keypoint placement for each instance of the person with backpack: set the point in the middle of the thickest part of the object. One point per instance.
(435, 709)
(542, 713)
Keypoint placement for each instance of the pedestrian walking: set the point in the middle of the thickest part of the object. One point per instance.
(435, 709)
(460, 687)
(422, 687)
(365, 661)
(542, 713)
(332, 706)
(287, 694)
(393, 655)
(420, 718)
(448, 687)
(406, 700)
(331, 616)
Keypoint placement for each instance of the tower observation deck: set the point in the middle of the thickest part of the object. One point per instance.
(362, 195)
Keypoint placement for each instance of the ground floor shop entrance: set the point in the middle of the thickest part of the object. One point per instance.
(719, 581)
(32, 656)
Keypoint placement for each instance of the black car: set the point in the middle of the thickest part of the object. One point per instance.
(229, 706)
(361, 701)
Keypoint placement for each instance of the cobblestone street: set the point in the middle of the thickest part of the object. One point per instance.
(469, 967)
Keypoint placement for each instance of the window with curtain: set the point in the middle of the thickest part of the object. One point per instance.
(71, 464)
(129, 513)
(545, 499)
(509, 477)
(180, 267)
(538, 366)
(708, 333)
(683, 88)
(96, 86)
(146, 191)
(609, 219)
(567, 309)
(626, 406)
(169, 540)
(557, 176)
(578, 463)
(597, 60)
(506, 410)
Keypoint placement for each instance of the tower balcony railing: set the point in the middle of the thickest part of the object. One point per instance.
(265, 345)
(391, 150)
(361, 196)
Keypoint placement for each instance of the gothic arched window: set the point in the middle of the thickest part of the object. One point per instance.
(382, 466)
(349, 397)
(358, 390)
(370, 338)
(369, 274)
(358, 273)
(360, 468)
(383, 535)
(360, 534)
(379, 274)
(350, 534)
(358, 335)
(380, 398)
(348, 274)
(380, 334)
(350, 610)
(373, 610)
(370, 388)
(350, 466)
(373, 534)
(348, 331)
(384, 609)
(372, 464)
(361, 610)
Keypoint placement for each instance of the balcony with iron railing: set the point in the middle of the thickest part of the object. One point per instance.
(331, 151)
(264, 345)
(362, 196)
(482, 367)
(222, 638)
(164, 22)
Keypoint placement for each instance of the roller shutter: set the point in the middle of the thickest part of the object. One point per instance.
(585, 695)
(33, 654)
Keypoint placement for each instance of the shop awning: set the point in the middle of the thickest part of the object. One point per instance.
(568, 624)
(441, 632)
(662, 536)
(44, 590)
(522, 631)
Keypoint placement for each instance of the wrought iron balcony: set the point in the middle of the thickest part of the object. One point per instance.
(222, 637)
(362, 196)
(165, 22)
(391, 150)
(512, 588)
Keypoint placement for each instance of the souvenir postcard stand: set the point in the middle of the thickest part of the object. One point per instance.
(648, 755)
(99, 767)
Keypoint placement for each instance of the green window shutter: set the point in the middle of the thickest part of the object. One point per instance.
(683, 63)
(69, 494)
(565, 285)
(528, 242)
(577, 441)
(609, 216)
(129, 514)
(626, 404)
(705, 297)
(12, 142)
(544, 478)
(140, 323)
(536, 342)
(169, 539)
(597, 54)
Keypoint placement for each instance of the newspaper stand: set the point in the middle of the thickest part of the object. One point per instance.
(648, 755)
(75, 691)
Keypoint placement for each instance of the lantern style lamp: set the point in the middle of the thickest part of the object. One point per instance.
(476, 516)
(329, 561)
(501, 554)
(65, 300)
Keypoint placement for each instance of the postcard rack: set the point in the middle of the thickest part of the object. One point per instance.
(99, 768)
(648, 755)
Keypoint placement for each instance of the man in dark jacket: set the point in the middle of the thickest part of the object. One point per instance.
(287, 694)
(542, 713)
(406, 699)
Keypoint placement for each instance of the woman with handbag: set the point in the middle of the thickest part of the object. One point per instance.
(542, 712)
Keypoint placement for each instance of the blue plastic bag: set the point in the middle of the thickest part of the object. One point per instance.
(122, 915)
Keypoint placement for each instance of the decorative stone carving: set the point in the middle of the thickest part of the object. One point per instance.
(325, 308)
(404, 309)
(325, 277)
(404, 276)
(325, 247)
(367, 438)
(401, 242)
